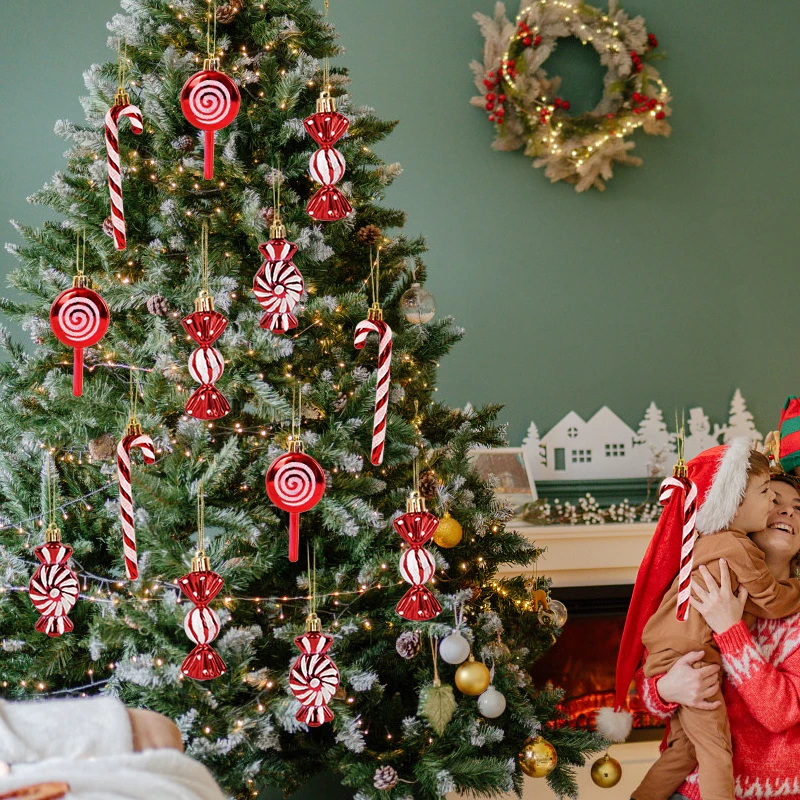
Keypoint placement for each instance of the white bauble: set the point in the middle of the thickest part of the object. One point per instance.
(454, 649)
(492, 703)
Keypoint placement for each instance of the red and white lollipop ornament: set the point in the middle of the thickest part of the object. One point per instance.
(210, 100)
(295, 483)
(79, 318)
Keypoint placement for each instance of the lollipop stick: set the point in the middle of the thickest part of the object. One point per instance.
(294, 536)
(208, 156)
(77, 372)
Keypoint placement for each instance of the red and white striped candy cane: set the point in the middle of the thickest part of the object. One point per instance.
(363, 329)
(689, 492)
(129, 441)
(119, 109)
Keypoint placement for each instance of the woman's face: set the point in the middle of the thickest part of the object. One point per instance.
(781, 537)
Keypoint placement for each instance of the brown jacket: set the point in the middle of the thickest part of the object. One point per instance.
(768, 598)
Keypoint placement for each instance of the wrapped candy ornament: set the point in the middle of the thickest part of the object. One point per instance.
(417, 566)
(206, 364)
(326, 127)
(53, 589)
(278, 284)
(314, 678)
(201, 624)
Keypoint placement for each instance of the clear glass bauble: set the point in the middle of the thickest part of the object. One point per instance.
(454, 649)
(555, 615)
(492, 703)
(417, 304)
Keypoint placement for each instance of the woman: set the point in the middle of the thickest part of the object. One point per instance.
(761, 668)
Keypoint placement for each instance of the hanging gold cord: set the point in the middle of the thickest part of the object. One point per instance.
(211, 61)
(121, 98)
(312, 620)
(204, 301)
(375, 311)
(277, 230)
(133, 428)
(80, 280)
(52, 534)
(201, 563)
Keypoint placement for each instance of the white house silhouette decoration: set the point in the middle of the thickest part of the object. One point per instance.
(605, 447)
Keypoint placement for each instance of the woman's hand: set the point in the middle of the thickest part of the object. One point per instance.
(690, 686)
(720, 608)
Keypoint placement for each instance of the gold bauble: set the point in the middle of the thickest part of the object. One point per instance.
(448, 532)
(473, 677)
(538, 757)
(606, 772)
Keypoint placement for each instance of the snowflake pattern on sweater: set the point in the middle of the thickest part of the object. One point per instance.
(762, 694)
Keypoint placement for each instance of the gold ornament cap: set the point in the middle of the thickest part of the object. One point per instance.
(201, 562)
(211, 64)
(295, 444)
(121, 98)
(133, 428)
(313, 624)
(415, 503)
(538, 758)
(81, 281)
(277, 230)
(375, 314)
(204, 301)
(606, 772)
(52, 533)
(325, 103)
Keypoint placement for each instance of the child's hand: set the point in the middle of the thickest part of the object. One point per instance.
(720, 608)
(689, 686)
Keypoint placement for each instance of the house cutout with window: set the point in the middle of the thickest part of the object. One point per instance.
(600, 448)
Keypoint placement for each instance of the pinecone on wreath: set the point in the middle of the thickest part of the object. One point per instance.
(157, 305)
(227, 13)
(340, 402)
(369, 234)
(408, 644)
(385, 778)
(268, 215)
(428, 485)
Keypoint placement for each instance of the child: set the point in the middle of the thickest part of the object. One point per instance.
(734, 499)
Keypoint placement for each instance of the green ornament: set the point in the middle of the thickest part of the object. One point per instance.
(437, 704)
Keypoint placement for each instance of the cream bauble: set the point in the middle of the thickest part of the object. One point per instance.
(492, 703)
(454, 649)
(473, 677)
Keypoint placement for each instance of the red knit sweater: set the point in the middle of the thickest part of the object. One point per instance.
(762, 693)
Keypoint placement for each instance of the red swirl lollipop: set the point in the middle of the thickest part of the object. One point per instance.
(79, 318)
(295, 483)
(210, 100)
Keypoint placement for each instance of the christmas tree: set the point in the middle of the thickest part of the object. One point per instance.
(192, 243)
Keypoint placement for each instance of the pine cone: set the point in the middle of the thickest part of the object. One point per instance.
(103, 448)
(157, 305)
(340, 402)
(184, 143)
(408, 644)
(227, 13)
(108, 227)
(369, 234)
(476, 589)
(268, 215)
(385, 778)
(428, 485)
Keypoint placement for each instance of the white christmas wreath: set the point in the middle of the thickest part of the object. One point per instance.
(523, 104)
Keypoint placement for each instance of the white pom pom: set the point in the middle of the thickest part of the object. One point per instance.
(614, 725)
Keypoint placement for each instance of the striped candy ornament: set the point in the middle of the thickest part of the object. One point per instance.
(206, 365)
(314, 678)
(327, 165)
(384, 379)
(121, 108)
(201, 624)
(673, 489)
(278, 285)
(54, 588)
(417, 566)
(134, 438)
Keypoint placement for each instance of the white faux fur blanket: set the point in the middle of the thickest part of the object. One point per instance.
(87, 743)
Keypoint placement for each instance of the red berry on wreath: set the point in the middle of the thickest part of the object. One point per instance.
(638, 66)
(609, 116)
(527, 41)
(537, 41)
(565, 105)
(652, 41)
(490, 97)
(491, 117)
(487, 83)
(557, 102)
(637, 98)
(501, 112)
(660, 115)
(502, 98)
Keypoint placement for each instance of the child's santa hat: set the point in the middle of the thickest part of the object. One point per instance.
(720, 477)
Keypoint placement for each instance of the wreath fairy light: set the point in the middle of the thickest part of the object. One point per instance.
(522, 101)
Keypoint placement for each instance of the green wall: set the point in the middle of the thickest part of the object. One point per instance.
(673, 285)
